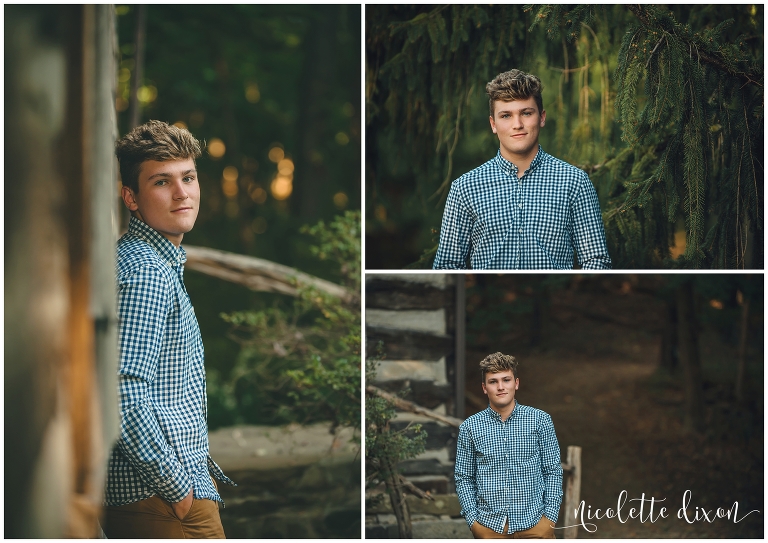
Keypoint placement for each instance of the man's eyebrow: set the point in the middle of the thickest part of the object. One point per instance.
(513, 110)
(166, 174)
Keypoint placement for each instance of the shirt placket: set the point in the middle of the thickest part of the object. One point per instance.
(517, 222)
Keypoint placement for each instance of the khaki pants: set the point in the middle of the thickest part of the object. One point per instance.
(544, 529)
(154, 518)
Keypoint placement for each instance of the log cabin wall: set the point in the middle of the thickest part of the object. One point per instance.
(414, 316)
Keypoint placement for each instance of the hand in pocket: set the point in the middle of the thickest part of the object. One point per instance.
(181, 509)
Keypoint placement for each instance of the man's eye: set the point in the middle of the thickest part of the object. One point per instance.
(161, 182)
(527, 113)
(188, 179)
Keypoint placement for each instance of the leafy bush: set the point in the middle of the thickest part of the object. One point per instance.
(299, 361)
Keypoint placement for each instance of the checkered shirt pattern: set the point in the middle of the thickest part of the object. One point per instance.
(163, 444)
(531, 223)
(508, 469)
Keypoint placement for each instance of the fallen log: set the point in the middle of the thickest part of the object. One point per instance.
(259, 274)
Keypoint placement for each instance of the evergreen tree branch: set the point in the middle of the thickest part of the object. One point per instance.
(711, 58)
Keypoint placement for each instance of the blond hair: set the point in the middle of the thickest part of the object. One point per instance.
(154, 140)
(514, 85)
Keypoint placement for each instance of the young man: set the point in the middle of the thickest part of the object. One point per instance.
(508, 473)
(523, 209)
(160, 479)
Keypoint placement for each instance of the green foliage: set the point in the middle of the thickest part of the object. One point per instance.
(339, 242)
(684, 84)
(299, 363)
(384, 447)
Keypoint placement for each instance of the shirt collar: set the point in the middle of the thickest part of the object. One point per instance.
(508, 168)
(167, 250)
(495, 415)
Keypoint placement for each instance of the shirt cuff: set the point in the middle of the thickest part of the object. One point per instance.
(470, 517)
(176, 487)
(551, 513)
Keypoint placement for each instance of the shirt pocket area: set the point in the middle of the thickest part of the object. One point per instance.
(525, 448)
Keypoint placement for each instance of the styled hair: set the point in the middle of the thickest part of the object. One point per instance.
(498, 362)
(514, 85)
(154, 140)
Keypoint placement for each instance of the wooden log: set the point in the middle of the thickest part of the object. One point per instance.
(429, 393)
(382, 294)
(259, 274)
(405, 345)
(572, 492)
(405, 405)
(439, 436)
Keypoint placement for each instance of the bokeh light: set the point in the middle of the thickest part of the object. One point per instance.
(252, 93)
(230, 173)
(124, 75)
(281, 187)
(180, 124)
(380, 213)
(229, 187)
(216, 148)
(285, 167)
(276, 154)
(121, 104)
(257, 193)
(146, 94)
(340, 200)
(342, 138)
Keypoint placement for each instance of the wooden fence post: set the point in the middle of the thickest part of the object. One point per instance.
(572, 491)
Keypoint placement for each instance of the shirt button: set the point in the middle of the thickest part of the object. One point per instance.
(521, 230)
(521, 206)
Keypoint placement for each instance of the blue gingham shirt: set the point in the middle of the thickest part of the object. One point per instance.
(508, 470)
(531, 223)
(163, 444)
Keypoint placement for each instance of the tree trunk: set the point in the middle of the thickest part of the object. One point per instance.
(689, 357)
(668, 357)
(311, 173)
(740, 370)
(397, 499)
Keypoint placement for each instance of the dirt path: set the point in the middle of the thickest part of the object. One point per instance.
(598, 381)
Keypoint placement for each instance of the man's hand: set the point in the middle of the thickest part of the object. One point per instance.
(180, 509)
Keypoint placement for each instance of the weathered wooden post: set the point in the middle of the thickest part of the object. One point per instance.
(572, 491)
(60, 342)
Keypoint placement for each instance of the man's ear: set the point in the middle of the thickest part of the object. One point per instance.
(484, 390)
(493, 123)
(543, 118)
(129, 199)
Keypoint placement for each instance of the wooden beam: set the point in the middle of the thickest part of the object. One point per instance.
(405, 405)
(259, 274)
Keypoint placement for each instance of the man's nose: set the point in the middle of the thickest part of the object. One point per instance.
(180, 191)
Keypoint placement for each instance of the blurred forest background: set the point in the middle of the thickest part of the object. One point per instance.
(658, 378)
(661, 105)
(274, 92)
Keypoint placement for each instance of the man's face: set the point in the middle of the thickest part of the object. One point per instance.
(500, 388)
(517, 124)
(169, 197)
